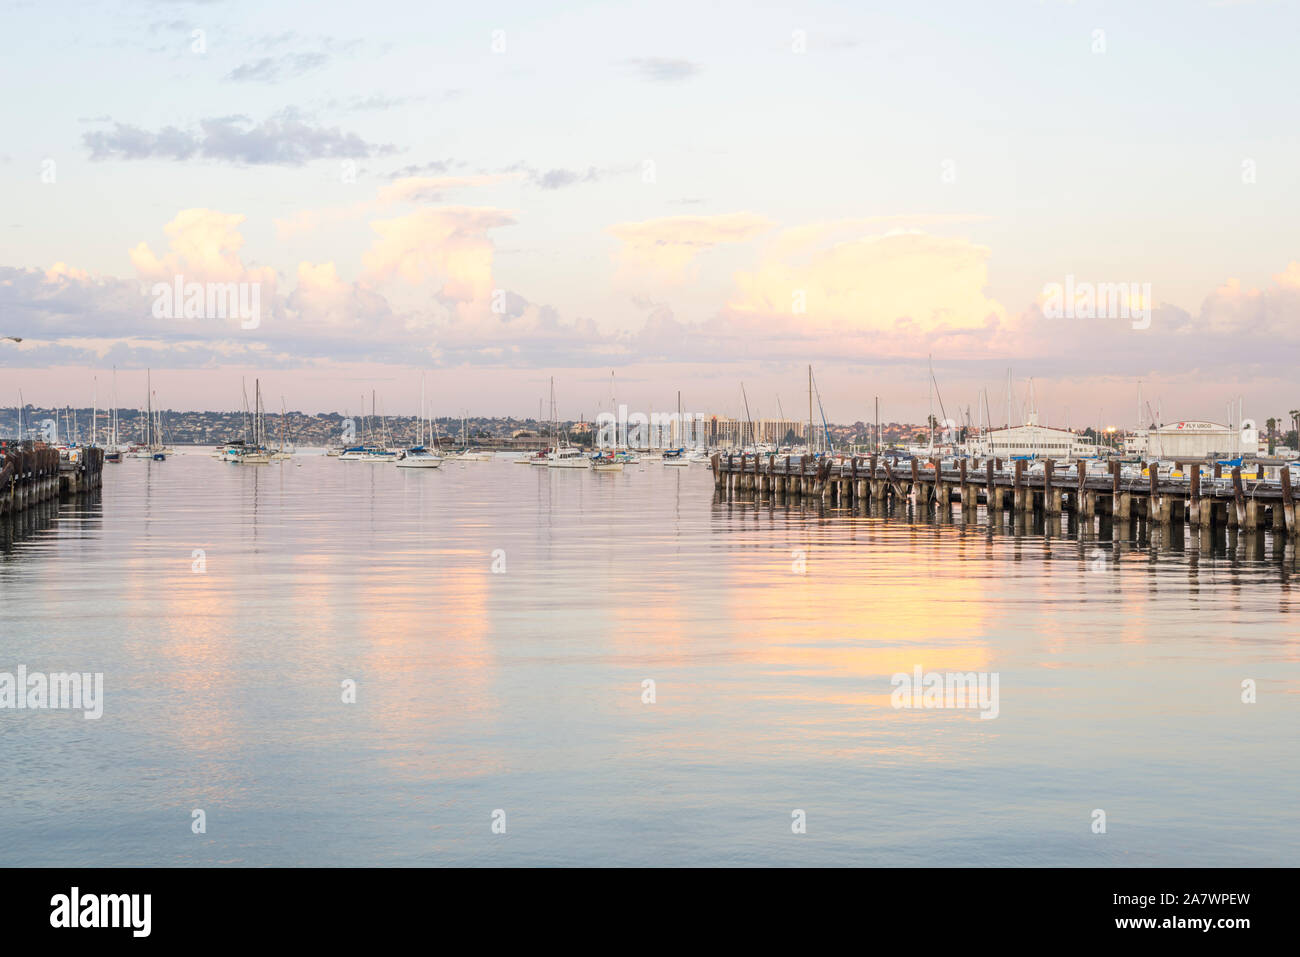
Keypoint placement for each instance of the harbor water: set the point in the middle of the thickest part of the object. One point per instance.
(564, 667)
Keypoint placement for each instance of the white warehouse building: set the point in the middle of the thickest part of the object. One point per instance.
(1032, 439)
(1194, 440)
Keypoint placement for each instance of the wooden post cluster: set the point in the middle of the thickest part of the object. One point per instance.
(29, 476)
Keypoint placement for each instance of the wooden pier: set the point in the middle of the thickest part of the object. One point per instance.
(32, 475)
(857, 483)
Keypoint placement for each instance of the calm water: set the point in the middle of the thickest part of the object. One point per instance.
(1120, 668)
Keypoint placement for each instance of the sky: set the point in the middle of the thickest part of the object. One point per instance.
(690, 196)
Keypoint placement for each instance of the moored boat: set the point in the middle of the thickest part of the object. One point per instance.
(418, 457)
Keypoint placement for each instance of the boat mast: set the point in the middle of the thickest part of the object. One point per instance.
(753, 438)
(931, 419)
(613, 410)
(810, 427)
(113, 416)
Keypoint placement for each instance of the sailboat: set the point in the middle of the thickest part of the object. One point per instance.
(609, 461)
(677, 456)
(564, 455)
(468, 454)
(113, 451)
(417, 456)
(285, 450)
(253, 450)
(531, 458)
(368, 451)
(153, 447)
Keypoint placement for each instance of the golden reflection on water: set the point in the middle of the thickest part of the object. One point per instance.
(771, 635)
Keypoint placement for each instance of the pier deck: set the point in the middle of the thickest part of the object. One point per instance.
(1226, 498)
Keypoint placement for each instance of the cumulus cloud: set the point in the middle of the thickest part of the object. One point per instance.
(322, 297)
(204, 246)
(283, 139)
(909, 290)
(450, 243)
(62, 272)
(667, 246)
(845, 291)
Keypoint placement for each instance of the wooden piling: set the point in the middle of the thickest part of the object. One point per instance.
(1194, 513)
(1156, 511)
(1288, 503)
(1238, 496)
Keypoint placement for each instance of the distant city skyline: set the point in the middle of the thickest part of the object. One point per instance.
(493, 197)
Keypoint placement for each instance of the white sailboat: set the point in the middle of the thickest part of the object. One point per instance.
(113, 451)
(153, 447)
(285, 451)
(538, 457)
(677, 457)
(564, 455)
(368, 451)
(417, 456)
(467, 453)
(253, 450)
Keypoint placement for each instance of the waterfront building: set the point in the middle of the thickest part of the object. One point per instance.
(1032, 439)
(1194, 439)
(727, 433)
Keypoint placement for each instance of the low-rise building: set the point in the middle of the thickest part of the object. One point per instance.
(1194, 439)
(1032, 439)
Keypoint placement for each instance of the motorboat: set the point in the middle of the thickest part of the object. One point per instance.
(418, 457)
(568, 457)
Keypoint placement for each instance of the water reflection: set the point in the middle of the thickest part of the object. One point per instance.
(501, 623)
